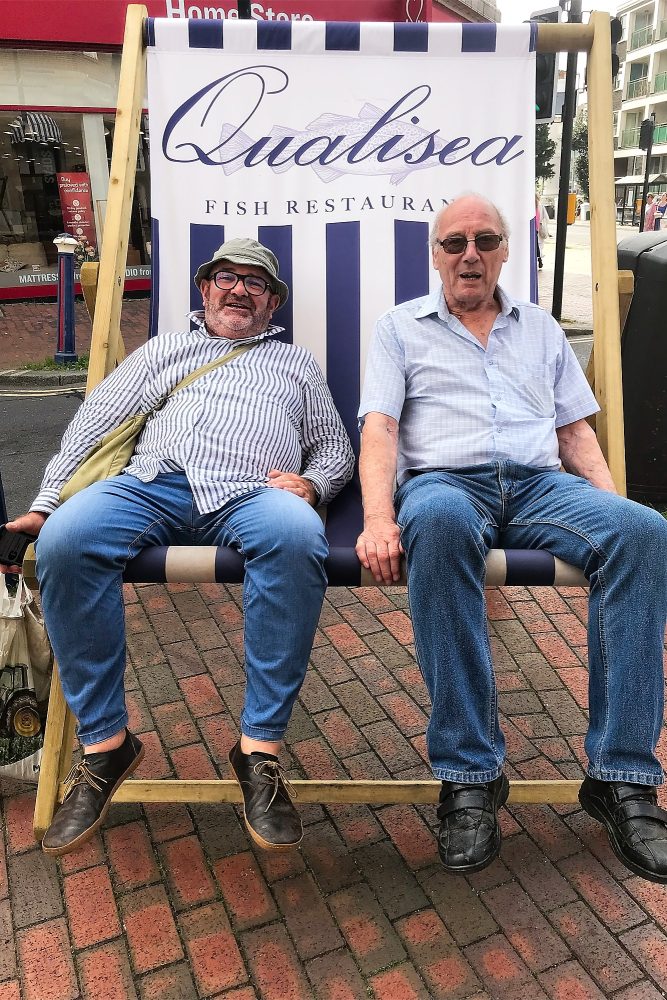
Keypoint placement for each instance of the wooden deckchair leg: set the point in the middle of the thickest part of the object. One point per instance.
(106, 282)
(56, 756)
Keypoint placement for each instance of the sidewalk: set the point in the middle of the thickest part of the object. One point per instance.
(176, 903)
(28, 333)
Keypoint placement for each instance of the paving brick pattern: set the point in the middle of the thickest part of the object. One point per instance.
(175, 902)
(28, 332)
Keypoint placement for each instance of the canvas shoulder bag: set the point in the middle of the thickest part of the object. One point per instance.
(113, 453)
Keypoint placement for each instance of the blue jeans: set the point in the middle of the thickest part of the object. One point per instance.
(82, 551)
(449, 519)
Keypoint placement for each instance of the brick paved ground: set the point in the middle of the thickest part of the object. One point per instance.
(28, 330)
(176, 903)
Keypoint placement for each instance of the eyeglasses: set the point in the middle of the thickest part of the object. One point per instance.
(483, 241)
(227, 280)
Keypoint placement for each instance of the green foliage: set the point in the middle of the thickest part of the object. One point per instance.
(545, 148)
(580, 147)
(50, 365)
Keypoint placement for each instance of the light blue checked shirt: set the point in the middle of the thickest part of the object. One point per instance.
(458, 404)
(268, 408)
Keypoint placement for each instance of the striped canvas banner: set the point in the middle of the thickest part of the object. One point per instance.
(334, 144)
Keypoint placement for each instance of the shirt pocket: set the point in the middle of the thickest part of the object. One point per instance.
(529, 389)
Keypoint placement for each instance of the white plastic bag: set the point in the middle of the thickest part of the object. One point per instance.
(25, 675)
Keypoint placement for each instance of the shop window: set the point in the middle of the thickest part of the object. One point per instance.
(46, 189)
(35, 150)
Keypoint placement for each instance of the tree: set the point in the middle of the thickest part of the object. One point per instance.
(580, 147)
(545, 148)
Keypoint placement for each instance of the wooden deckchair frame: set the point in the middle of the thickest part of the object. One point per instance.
(107, 349)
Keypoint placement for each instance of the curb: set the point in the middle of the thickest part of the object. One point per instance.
(573, 330)
(22, 378)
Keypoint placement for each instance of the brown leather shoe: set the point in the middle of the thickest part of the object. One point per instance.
(270, 817)
(89, 787)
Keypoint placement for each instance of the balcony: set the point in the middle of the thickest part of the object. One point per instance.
(660, 134)
(660, 83)
(630, 138)
(637, 88)
(644, 36)
(661, 31)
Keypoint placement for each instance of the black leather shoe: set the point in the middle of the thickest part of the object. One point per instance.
(270, 817)
(469, 837)
(636, 825)
(89, 787)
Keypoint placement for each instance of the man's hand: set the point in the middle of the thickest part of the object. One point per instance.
(293, 484)
(379, 549)
(30, 524)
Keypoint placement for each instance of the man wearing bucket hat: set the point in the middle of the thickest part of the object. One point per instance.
(240, 456)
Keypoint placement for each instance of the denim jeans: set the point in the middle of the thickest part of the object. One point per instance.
(82, 551)
(449, 519)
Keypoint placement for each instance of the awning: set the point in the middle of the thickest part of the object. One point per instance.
(35, 126)
(639, 179)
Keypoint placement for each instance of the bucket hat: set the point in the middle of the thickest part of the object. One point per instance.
(245, 251)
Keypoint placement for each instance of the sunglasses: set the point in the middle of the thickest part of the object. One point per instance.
(484, 242)
(253, 284)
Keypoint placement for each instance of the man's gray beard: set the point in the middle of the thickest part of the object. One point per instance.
(260, 322)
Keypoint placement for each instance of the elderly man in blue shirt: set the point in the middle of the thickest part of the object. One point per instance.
(239, 457)
(472, 403)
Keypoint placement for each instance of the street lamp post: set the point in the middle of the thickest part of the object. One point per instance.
(65, 353)
(574, 16)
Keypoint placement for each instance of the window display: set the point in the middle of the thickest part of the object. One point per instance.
(47, 187)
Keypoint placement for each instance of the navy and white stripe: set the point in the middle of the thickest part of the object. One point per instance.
(170, 34)
(221, 564)
(268, 408)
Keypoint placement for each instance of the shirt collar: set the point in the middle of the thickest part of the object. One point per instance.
(197, 317)
(435, 302)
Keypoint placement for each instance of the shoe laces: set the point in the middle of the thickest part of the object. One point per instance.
(80, 774)
(273, 772)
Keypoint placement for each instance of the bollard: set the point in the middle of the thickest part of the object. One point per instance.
(65, 353)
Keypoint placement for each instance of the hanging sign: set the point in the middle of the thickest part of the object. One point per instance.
(77, 208)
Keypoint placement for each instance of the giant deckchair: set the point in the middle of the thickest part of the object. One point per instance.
(343, 520)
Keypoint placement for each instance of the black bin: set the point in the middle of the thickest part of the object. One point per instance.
(644, 362)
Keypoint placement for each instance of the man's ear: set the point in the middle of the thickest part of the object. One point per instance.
(204, 286)
(274, 302)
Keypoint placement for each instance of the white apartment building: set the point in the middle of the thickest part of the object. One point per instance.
(640, 90)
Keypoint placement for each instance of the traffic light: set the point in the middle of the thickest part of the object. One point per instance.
(616, 26)
(646, 133)
(546, 71)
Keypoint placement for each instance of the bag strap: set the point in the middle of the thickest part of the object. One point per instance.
(193, 376)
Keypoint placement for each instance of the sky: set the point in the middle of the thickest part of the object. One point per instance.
(516, 11)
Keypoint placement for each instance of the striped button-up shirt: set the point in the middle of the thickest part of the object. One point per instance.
(268, 408)
(459, 404)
